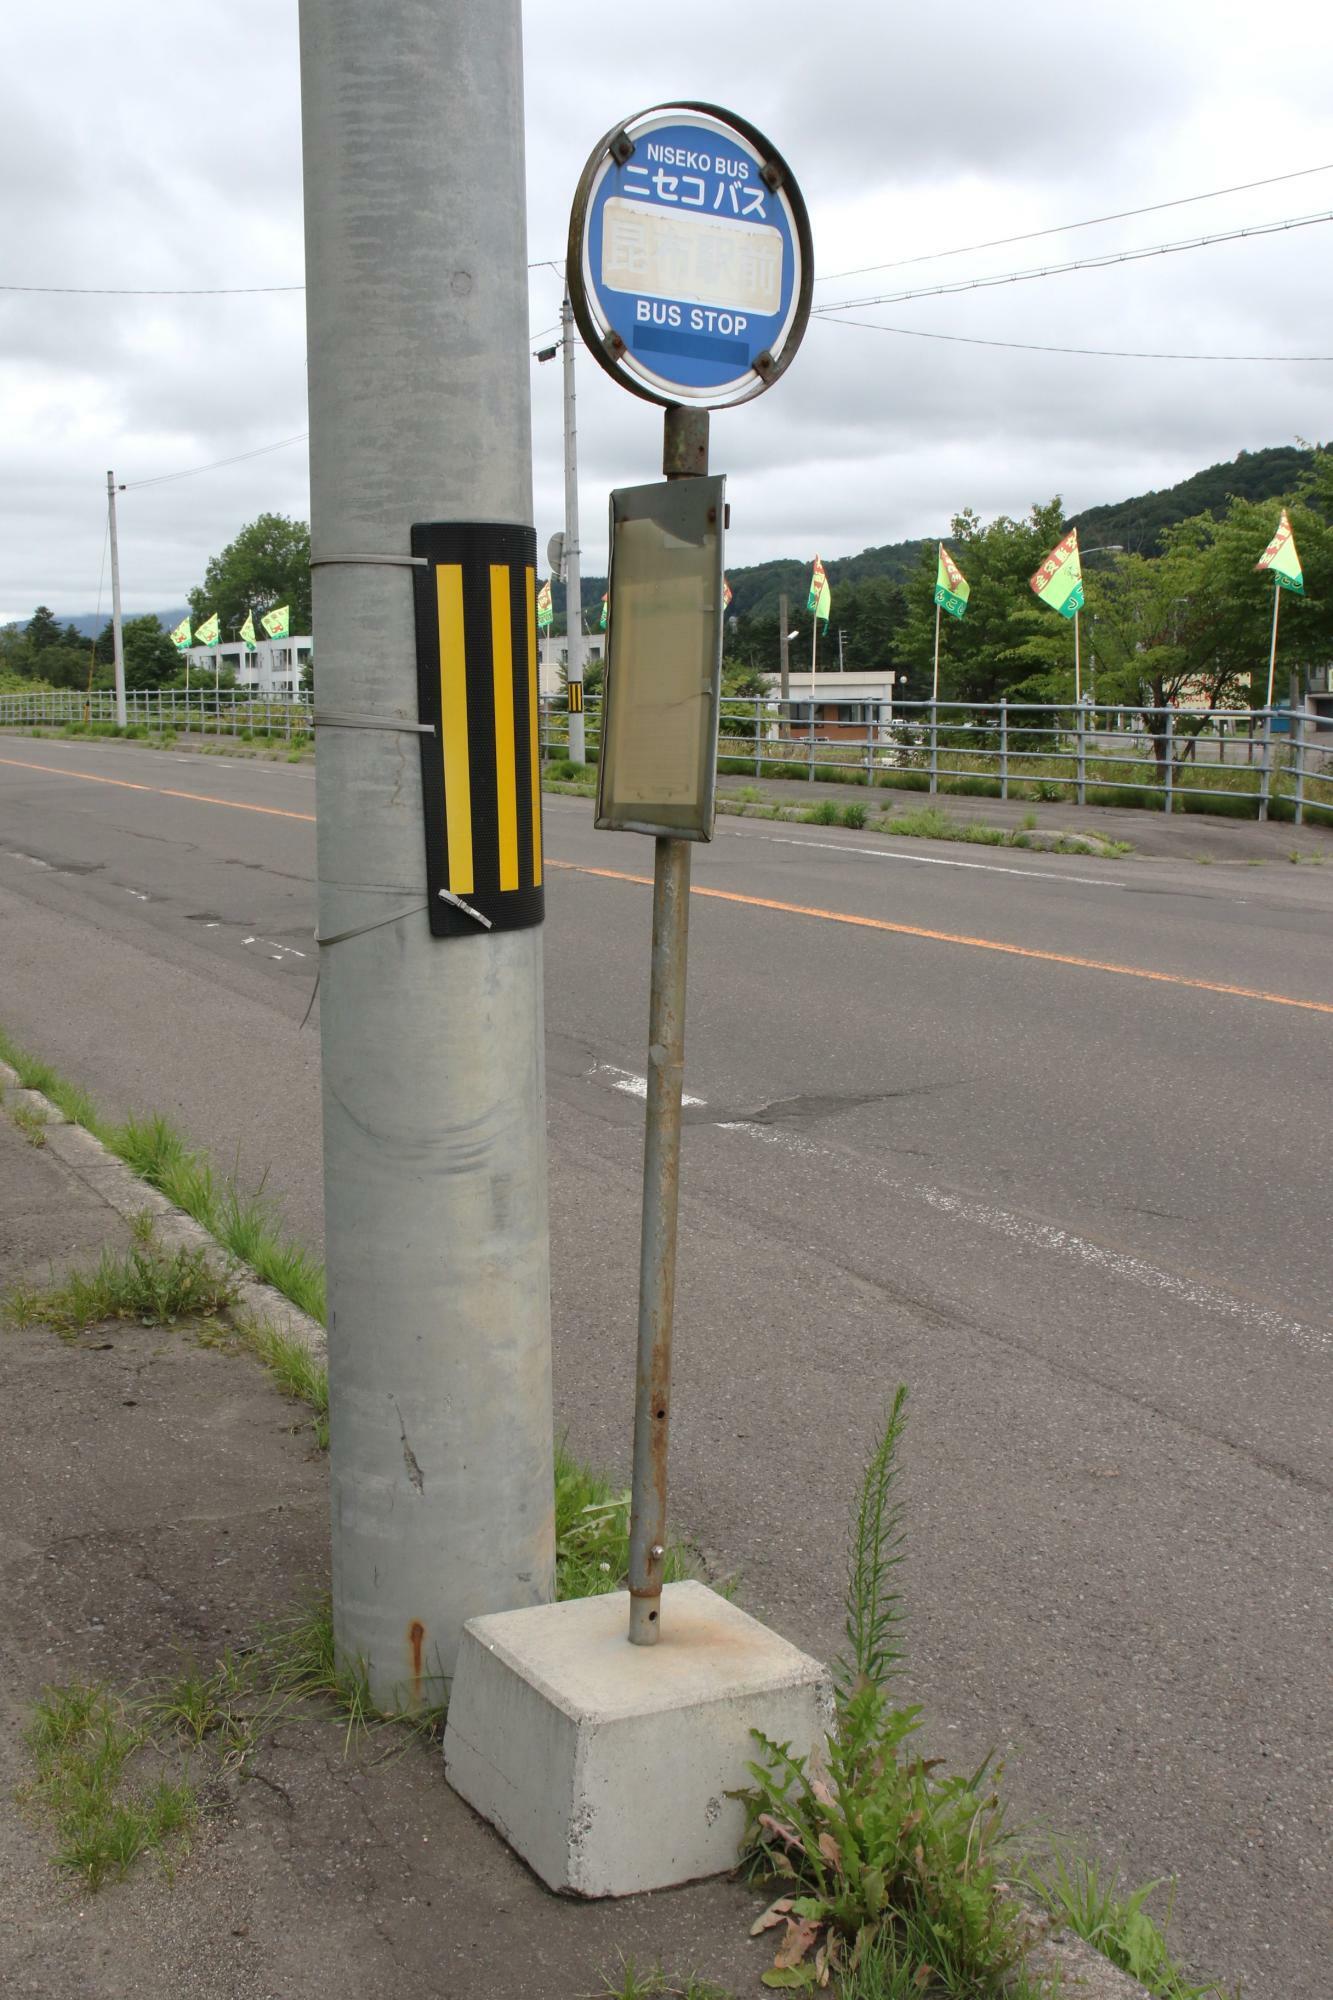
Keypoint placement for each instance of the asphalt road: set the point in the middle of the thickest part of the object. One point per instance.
(1046, 1138)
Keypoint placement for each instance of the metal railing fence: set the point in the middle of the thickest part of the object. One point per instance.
(1258, 762)
(1254, 762)
(205, 711)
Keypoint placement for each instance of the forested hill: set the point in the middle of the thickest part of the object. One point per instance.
(1137, 524)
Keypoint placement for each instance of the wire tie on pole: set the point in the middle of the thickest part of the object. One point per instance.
(457, 903)
(322, 720)
(388, 562)
(359, 930)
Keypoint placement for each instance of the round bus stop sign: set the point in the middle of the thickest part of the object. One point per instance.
(690, 265)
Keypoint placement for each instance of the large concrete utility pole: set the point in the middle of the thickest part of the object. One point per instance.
(433, 1082)
(117, 642)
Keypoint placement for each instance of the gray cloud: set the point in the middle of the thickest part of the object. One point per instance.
(911, 133)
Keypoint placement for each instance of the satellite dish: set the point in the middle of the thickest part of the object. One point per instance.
(555, 556)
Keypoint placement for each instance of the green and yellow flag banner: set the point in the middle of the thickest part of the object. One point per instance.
(820, 597)
(545, 608)
(952, 588)
(248, 632)
(180, 638)
(1059, 581)
(207, 633)
(1280, 556)
(726, 595)
(601, 622)
(277, 622)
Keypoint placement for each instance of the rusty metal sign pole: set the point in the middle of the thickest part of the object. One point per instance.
(684, 456)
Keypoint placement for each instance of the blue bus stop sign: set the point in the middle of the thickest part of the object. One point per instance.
(690, 265)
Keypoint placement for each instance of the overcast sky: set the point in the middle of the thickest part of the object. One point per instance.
(158, 144)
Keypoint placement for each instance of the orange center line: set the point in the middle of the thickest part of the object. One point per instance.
(159, 791)
(764, 903)
(976, 943)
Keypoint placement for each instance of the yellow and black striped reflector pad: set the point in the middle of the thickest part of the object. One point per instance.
(576, 697)
(476, 620)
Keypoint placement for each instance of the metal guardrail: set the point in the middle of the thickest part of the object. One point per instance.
(199, 711)
(1269, 760)
(1119, 756)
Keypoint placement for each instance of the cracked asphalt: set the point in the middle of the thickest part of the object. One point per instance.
(1042, 1136)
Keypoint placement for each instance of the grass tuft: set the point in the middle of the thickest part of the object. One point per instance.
(629, 1983)
(152, 1148)
(293, 1369)
(87, 1743)
(154, 1286)
(31, 1123)
(1116, 1922)
(592, 1534)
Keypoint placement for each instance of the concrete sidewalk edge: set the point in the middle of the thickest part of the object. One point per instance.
(120, 1188)
(1077, 1968)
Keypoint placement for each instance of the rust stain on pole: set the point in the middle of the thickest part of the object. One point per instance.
(416, 1639)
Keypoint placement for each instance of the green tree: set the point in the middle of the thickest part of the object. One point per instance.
(63, 666)
(150, 658)
(741, 683)
(1006, 635)
(266, 565)
(16, 655)
(43, 631)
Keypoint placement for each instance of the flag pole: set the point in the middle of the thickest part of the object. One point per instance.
(814, 641)
(1078, 670)
(1272, 651)
(935, 684)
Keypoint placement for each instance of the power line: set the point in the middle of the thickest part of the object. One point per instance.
(1040, 347)
(1063, 228)
(169, 291)
(151, 291)
(1078, 264)
(163, 478)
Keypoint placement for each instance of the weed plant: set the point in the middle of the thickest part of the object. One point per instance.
(880, 1851)
(146, 1283)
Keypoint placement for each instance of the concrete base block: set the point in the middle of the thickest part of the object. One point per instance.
(606, 1765)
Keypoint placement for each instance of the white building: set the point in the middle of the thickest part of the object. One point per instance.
(272, 666)
(846, 705)
(553, 656)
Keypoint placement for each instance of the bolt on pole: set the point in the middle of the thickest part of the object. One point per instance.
(117, 640)
(431, 1047)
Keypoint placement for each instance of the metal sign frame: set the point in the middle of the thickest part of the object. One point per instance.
(665, 573)
(613, 152)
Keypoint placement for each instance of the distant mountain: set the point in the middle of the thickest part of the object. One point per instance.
(90, 623)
